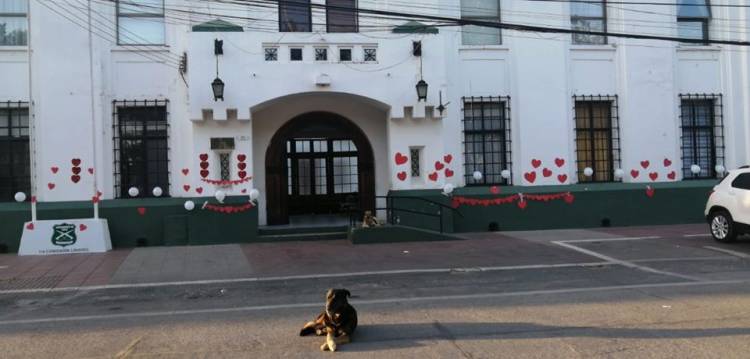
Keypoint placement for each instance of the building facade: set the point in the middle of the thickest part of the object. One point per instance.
(320, 106)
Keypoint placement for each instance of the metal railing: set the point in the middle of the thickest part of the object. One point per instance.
(392, 209)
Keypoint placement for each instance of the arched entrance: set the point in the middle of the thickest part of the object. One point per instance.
(315, 163)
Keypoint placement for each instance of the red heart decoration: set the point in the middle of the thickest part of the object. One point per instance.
(569, 198)
(530, 177)
(141, 211)
(439, 166)
(401, 176)
(672, 175)
(667, 162)
(242, 165)
(536, 163)
(650, 192)
(75, 178)
(51, 186)
(91, 170)
(448, 173)
(635, 173)
(30, 226)
(83, 227)
(244, 191)
(55, 169)
(494, 189)
(645, 164)
(186, 188)
(433, 176)
(400, 159)
(562, 178)
(653, 176)
(204, 173)
(76, 162)
(76, 170)
(241, 158)
(522, 204)
(99, 194)
(447, 158)
(559, 162)
(546, 172)
(199, 190)
(185, 171)
(204, 165)
(242, 174)
(95, 199)
(204, 157)
(33, 199)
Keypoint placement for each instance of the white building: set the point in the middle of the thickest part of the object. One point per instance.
(319, 103)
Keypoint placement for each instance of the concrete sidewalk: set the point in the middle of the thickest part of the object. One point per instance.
(222, 262)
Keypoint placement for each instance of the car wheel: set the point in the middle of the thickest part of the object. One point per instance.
(722, 227)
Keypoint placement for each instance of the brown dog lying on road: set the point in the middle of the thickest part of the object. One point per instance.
(337, 322)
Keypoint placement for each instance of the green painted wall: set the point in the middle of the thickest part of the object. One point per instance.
(622, 204)
(165, 221)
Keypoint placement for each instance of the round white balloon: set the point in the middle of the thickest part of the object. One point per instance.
(220, 196)
(588, 172)
(189, 205)
(505, 174)
(477, 176)
(720, 169)
(619, 173)
(254, 194)
(448, 188)
(133, 192)
(157, 192)
(695, 169)
(20, 197)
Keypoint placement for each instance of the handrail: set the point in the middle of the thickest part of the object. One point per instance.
(424, 200)
(391, 209)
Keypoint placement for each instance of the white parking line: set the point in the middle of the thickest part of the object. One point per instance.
(610, 239)
(3, 267)
(366, 302)
(566, 244)
(728, 251)
(302, 277)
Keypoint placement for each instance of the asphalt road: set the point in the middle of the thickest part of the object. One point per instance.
(668, 297)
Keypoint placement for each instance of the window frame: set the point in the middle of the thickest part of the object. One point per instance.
(717, 143)
(615, 155)
(603, 18)
(704, 20)
(483, 18)
(301, 3)
(18, 15)
(118, 15)
(506, 144)
(356, 19)
(11, 107)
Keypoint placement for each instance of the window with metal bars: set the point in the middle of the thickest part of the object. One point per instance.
(15, 173)
(141, 146)
(487, 139)
(702, 137)
(597, 137)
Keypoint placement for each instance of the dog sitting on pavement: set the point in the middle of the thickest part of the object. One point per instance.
(337, 322)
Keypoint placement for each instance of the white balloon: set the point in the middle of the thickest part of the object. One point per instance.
(448, 188)
(254, 194)
(477, 175)
(133, 192)
(505, 174)
(157, 192)
(695, 169)
(720, 169)
(588, 172)
(20, 197)
(189, 205)
(619, 173)
(220, 196)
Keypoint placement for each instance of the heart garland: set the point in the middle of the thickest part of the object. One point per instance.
(227, 182)
(229, 209)
(522, 199)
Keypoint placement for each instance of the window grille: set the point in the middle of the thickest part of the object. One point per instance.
(345, 55)
(15, 160)
(702, 138)
(321, 54)
(295, 54)
(271, 53)
(295, 16)
(141, 146)
(415, 161)
(597, 137)
(13, 23)
(487, 139)
(371, 55)
(140, 22)
(589, 16)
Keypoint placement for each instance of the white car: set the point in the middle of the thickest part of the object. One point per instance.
(728, 206)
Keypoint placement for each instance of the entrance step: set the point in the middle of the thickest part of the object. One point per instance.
(290, 234)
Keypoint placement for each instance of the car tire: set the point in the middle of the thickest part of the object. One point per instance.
(722, 227)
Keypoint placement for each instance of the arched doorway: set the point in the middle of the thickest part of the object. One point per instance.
(315, 163)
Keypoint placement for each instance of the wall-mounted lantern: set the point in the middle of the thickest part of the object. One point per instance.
(422, 90)
(217, 86)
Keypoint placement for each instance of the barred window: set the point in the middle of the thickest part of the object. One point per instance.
(481, 10)
(416, 161)
(15, 173)
(271, 53)
(295, 16)
(13, 23)
(589, 16)
(597, 137)
(487, 139)
(702, 139)
(140, 22)
(141, 146)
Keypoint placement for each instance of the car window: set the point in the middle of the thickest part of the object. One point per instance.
(742, 181)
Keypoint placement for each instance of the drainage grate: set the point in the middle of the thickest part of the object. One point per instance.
(30, 283)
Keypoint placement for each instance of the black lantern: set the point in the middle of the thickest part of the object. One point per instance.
(218, 87)
(422, 90)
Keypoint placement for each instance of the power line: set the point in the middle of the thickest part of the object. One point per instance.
(646, 3)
